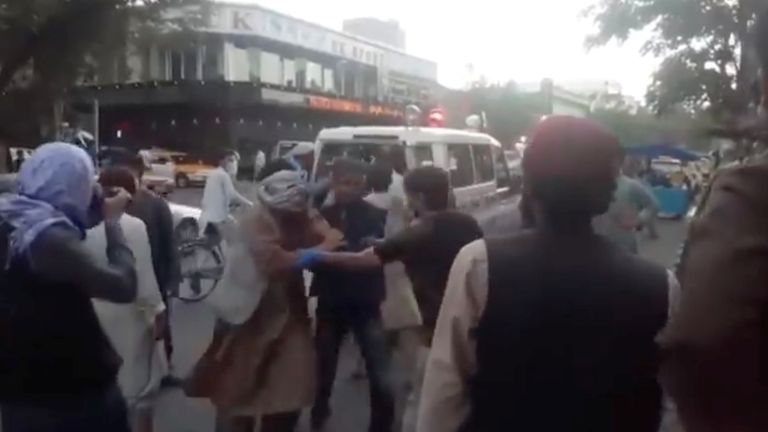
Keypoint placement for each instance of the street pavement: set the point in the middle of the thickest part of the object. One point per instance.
(193, 328)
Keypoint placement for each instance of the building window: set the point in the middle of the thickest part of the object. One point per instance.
(182, 65)
(314, 76)
(271, 68)
(329, 80)
(212, 69)
(460, 164)
(175, 66)
(190, 71)
(254, 64)
(240, 67)
(289, 73)
(484, 167)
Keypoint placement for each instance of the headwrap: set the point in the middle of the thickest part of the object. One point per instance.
(54, 187)
(570, 165)
(284, 190)
(567, 147)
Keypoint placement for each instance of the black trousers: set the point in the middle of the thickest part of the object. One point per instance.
(105, 411)
(333, 324)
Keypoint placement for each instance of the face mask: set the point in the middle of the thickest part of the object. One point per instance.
(231, 168)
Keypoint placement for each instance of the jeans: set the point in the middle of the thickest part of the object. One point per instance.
(101, 412)
(366, 326)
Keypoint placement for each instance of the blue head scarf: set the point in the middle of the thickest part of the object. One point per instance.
(54, 187)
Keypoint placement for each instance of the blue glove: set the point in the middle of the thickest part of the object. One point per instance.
(307, 258)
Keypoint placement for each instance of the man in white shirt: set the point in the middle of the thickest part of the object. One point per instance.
(220, 193)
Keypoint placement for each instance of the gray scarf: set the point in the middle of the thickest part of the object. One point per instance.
(284, 190)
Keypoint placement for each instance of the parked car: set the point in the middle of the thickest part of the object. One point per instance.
(186, 170)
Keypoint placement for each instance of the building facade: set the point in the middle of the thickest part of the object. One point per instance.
(250, 77)
(387, 32)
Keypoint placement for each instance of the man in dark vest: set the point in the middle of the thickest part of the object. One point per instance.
(553, 328)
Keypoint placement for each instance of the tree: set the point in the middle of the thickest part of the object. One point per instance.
(46, 46)
(706, 46)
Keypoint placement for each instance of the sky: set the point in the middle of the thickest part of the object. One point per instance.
(520, 40)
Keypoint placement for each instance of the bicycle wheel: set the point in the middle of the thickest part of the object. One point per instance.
(202, 266)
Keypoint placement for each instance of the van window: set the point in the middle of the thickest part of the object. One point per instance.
(422, 155)
(460, 165)
(366, 152)
(484, 166)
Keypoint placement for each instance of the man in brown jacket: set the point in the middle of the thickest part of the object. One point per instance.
(716, 345)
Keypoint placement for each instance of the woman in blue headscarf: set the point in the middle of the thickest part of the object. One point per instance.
(57, 368)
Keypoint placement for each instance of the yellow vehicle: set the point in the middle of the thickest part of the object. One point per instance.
(189, 170)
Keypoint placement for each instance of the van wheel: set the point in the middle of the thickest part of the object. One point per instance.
(182, 181)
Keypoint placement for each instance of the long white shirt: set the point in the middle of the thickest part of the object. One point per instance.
(130, 327)
(219, 194)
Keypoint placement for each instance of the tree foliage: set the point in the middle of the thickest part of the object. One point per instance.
(48, 45)
(706, 47)
(512, 113)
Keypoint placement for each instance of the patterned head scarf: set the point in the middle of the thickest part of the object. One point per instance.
(285, 191)
(54, 187)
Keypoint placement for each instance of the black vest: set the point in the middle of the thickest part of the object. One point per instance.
(566, 341)
(51, 342)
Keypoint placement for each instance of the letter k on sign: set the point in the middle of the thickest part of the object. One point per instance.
(240, 21)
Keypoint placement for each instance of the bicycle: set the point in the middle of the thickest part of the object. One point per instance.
(202, 261)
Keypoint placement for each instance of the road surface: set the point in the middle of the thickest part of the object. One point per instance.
(193, 327)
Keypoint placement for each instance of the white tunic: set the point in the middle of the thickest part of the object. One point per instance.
(130, 327)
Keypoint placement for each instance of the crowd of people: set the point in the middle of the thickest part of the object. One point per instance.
(557, 326)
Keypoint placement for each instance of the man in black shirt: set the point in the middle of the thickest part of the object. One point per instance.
(350, 299)
(428, 247)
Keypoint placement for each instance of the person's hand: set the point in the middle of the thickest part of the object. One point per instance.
(161, 325)
(115, 206)
(333, 240)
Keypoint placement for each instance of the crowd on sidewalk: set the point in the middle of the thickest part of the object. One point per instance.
(557, 326)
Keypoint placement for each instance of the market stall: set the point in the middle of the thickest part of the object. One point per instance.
(665, 172)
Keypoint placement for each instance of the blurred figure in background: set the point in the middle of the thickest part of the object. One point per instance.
(265, 368)
(633, 207)
(19, 161)
(259, 161)
(551, 329)
(154, 211)
(220, 194)
(133, 329)
(58, 369)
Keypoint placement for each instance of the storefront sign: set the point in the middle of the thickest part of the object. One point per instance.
(383, 110)
(283, 97)
(324, 103)
(256, 21)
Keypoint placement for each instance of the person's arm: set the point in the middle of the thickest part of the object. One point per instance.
(264, 244)
(390, 250)
(445, 404)
(59, 255)
(233, 194)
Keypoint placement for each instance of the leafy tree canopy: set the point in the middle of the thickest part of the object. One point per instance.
(706, 47)
(48, 45)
